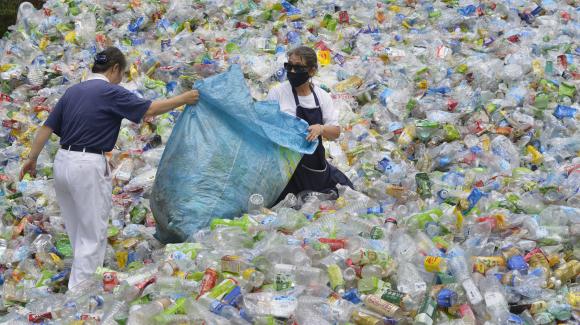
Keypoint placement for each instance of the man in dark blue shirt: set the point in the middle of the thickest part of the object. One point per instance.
(87, 118)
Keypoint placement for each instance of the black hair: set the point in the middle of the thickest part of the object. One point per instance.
(107, 59)
(307, 54)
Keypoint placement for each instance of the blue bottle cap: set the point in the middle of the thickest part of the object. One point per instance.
(352, 296)
(99, 300)
(281, 74)
(131, 257)
(375, 210)
(385, 94)
(389, 321)
(298, 24)
(473, 198)
(443, 194)
(444, 161)
(516, 320)
(136, 25)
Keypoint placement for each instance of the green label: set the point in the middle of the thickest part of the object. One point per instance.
(393, 296)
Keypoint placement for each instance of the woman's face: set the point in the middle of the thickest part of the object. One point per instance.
(116, 74)
(297, 60)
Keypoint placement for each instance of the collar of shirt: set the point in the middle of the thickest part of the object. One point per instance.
(98, 76)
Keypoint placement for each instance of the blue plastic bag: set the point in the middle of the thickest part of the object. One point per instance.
(221, 151)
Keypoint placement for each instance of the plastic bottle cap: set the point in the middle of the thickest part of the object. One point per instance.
(165, 302)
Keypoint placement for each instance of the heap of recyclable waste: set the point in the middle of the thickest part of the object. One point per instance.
(460, 131)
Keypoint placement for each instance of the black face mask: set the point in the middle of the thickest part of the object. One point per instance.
(297, 78)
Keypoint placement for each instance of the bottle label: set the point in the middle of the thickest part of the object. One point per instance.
(284, 299)
(284, 268)
(208, 282)
(393, 296)
(324, 57)
(231, 264)
(472, 292)
(368, 284)
(363, 318)
(283, 282)
(495, 299)
(376, 233)
(533, 252)
(433, 264)
(574, 299)
(403, 288)
(466, 312)
(538, 307)
(37, 318)
(247, 274)
(221, 289)
(335, 244)
(420, 286)
(428, 307)
(381, 306)
(483, 264)
(165, 44)
(335, 276)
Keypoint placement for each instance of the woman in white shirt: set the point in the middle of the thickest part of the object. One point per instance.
(301, 98)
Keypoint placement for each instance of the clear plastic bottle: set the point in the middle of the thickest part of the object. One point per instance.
(226, 311)
(255, 204)
(495, 301)
(253, 278)
(289, 201)
(303, 275)
(310, 206)
(459, 268)
(25, 11)
(143, 314)
(270, 303)
(36, 72)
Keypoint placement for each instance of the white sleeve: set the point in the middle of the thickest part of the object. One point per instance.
(274, 94)
(330, 112)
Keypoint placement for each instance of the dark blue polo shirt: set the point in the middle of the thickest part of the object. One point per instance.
(89, 114)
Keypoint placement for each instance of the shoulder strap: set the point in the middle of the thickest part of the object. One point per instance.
(315, 97)
(295, 97)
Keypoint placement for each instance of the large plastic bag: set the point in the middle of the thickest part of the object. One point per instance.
(221, 151)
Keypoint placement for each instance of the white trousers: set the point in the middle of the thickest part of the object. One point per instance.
(83, 190)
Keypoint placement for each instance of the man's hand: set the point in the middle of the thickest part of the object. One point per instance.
(315, 131)
(29, 167)
(190, 97)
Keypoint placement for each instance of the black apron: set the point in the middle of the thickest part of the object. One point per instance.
(314, 173)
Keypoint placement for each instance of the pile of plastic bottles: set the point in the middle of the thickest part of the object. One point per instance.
(460, 131)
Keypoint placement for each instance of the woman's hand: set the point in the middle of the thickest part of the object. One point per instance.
(190, 97)
(162, 106)
(315, 131)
